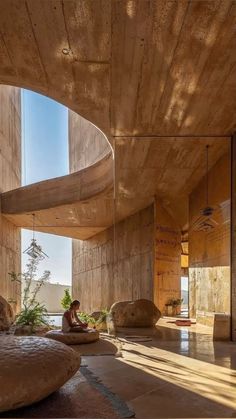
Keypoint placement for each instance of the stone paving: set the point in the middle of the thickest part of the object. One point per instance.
(181, 373)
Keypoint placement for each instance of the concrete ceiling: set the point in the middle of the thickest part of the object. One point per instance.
(169, 168)
(141, 67)
(173, 67)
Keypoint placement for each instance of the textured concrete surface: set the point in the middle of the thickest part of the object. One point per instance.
(140, 68)
(114, 267)
(167, 258)
(209, 251)
(87, 144)
(67, 196)
(10, 177)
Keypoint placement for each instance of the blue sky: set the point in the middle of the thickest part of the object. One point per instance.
(44, 156)
(184, 283)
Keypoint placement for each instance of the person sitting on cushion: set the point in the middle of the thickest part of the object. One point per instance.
(71, 321)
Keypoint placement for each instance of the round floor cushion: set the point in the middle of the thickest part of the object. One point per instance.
(31, 368)
(137, 313)
(71, 338)
(6, 314)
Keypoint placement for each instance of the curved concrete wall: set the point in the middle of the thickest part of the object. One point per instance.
(10, 178)
(87, 144)
(109, 267)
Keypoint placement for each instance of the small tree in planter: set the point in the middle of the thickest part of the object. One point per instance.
(66, 300)
(33, 314)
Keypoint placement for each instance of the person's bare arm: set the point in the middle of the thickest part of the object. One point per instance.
(79, 321)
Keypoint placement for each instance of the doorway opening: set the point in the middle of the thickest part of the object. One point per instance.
(184, 296)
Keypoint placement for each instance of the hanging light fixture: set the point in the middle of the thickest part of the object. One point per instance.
(205, 221)
(34, 250)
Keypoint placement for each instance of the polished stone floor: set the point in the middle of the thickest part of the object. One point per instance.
(180, 373)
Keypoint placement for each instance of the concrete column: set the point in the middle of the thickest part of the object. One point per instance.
(10, 178)
(233, 235)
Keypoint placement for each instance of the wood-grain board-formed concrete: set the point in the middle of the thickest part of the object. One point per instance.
(140, 69)
(10, 178)
(75, 205)
(82, 204)
(131, 67)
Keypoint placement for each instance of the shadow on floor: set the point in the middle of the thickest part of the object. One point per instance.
(173, 376)
(188, 342)
(162, 388)
(76, 399)
(104, 346)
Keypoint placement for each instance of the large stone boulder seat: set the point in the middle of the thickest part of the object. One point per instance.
(73, 338)
(138, 313)
(31, 368)
(6, 314)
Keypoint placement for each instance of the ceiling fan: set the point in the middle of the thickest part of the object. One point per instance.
(205, 221)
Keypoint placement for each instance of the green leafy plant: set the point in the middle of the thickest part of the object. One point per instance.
(103, 316)
(34, 316)
(175, 302)
(32, 313)
(178, 302)
(87, 318)
(66, 300)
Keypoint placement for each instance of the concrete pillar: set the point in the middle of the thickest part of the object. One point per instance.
(233, 235)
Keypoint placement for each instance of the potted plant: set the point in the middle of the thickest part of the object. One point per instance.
(33, 316)
(176, 306)
(173, 307)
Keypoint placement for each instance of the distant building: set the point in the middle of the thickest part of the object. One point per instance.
(51, 295)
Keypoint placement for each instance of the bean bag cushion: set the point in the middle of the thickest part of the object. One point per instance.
(6, 314)
(71, 338)
(138, 313)
(31, 368)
